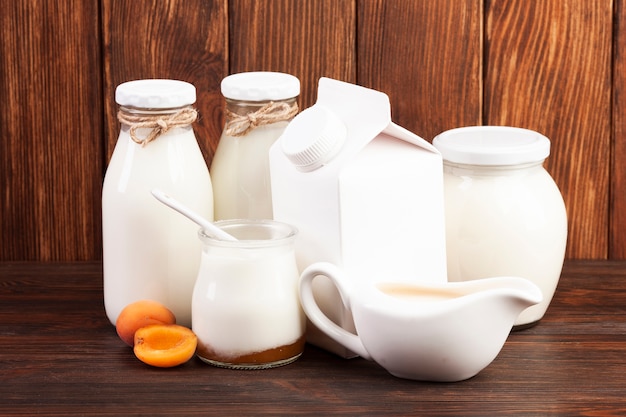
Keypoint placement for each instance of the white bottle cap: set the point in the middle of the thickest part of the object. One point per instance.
(260, 86)
(492, 145)
(313, 138)
(155, 94)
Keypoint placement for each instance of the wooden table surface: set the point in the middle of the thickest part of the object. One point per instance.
(59, 355)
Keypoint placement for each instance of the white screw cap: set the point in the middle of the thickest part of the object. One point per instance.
(155, 94)
(313, 138)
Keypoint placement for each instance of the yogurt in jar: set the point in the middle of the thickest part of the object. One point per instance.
(505, 215)
(245, 308)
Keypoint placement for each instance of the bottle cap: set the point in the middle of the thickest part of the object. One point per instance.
(313, 138)
(492, 145)
(155, 94)
(260, 86)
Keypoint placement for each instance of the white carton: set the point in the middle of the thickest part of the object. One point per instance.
(364, 193)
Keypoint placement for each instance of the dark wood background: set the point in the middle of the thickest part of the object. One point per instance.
(555, 66)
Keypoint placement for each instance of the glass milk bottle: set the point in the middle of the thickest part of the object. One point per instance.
(505, 215)
(149, 250)
(246, 310)
(259, 105)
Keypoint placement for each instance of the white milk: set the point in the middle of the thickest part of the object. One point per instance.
(504, 213)
(365, 194)
(240, 174)
(149, 250)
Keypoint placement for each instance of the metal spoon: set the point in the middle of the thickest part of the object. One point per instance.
(210, 228)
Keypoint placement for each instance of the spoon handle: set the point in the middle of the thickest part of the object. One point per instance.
(210, 228)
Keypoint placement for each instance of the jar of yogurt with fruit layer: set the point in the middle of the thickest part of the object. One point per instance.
(505, 215)
(245, 307)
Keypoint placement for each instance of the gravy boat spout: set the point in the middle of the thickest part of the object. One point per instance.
(425, 331)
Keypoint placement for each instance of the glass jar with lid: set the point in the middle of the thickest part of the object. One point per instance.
(505, 215)
(259, 106)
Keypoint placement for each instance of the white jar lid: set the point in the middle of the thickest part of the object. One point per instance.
(492, 145)
(155, 94)
(313, 138)
(260, 86)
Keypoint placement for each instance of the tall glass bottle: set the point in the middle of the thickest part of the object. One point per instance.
(149, 250)
(259, 105)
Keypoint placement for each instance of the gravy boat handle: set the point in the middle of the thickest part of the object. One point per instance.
(315, 314)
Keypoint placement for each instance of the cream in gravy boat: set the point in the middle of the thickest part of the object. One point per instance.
(423, 331)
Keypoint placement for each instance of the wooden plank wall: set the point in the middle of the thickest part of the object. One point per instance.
(551, 65)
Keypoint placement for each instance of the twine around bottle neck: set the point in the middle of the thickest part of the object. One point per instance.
(272, 112)
(158, 124)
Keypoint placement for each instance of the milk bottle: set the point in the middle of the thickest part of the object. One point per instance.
(364, 193)
(259, 106)
(149, 250)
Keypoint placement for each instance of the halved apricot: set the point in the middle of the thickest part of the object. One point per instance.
(165, 345)
(140, 314)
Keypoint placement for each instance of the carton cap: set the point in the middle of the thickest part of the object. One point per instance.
(313, 138)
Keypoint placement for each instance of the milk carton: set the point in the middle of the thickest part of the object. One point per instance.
(364, 193)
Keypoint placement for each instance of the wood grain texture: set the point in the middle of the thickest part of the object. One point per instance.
(617, 207)
(308, 39)
(548, 68)
(555, 66)
(180, 39)
(427, 57)
(60, 356)
(51, 150)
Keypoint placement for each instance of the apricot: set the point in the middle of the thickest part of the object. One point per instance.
(165, 345)
(140, 314)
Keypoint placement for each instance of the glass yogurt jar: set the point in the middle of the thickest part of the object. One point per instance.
(505, 215)
(245, 308)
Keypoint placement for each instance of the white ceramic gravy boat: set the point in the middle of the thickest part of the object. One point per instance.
(432, 332)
